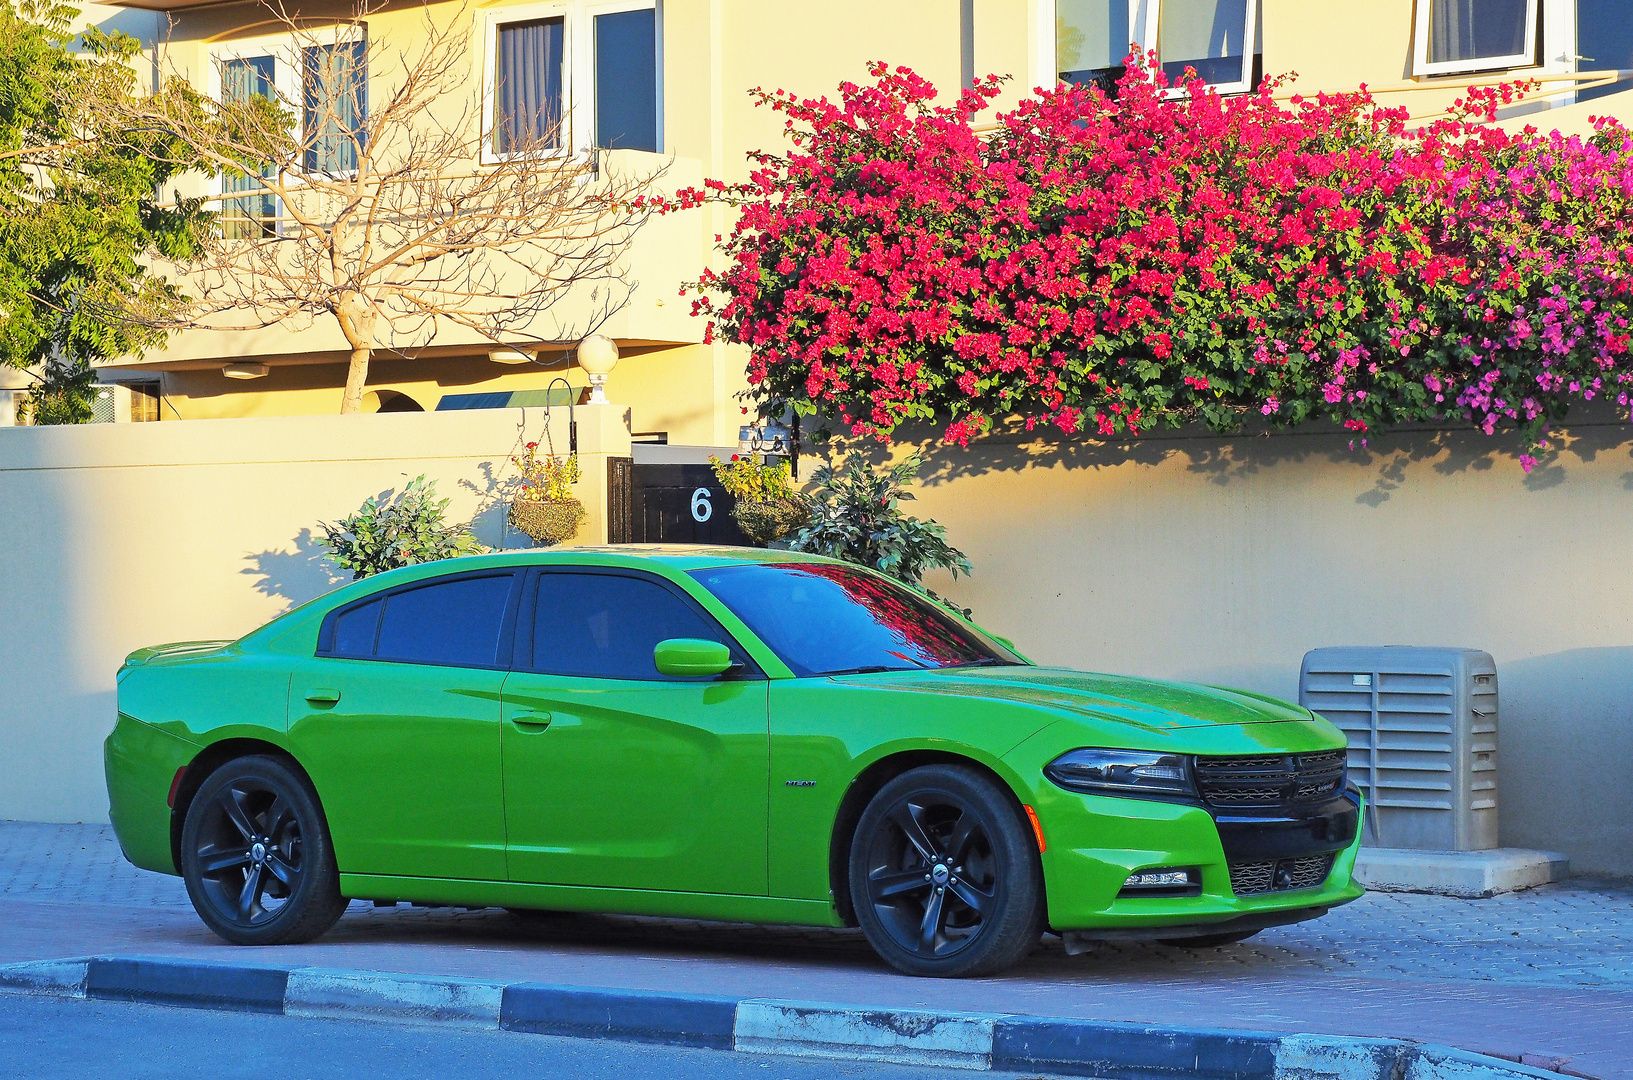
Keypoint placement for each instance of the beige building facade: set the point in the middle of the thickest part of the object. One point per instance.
(665, 83)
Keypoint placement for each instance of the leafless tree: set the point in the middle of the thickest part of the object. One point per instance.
(380, 193)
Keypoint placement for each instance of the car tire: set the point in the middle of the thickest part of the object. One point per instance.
(256, 855)
(1207, 941)
(944, 875)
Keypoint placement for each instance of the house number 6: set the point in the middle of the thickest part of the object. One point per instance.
(702, 508)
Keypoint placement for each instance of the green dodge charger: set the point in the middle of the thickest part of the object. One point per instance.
(734, 734)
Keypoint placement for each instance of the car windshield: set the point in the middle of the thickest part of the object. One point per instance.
(827, 619)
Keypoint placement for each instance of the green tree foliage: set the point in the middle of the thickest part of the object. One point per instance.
(78, 207)
(400, 529)
(856, 516)
(64, 395)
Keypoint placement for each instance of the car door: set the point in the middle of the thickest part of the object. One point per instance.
(397, 721)
(617, 776)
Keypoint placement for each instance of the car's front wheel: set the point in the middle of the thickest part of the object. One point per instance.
(944, 876)
(256, 856)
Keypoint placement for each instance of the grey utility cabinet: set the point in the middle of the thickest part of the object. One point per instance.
(1422, 728)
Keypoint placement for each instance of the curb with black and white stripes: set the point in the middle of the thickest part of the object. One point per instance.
(977, 1041)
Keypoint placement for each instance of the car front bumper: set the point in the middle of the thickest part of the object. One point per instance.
(1094, 842)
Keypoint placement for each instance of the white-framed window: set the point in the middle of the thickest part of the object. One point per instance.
(1217, 38)
(323, 82)
(572, 76)
(1459, 36)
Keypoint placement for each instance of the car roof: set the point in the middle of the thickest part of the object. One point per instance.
(682, 557)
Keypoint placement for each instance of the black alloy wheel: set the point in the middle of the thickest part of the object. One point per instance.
(944, 875)
(256, 856)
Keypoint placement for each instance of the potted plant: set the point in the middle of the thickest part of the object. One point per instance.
(768, 508)
(543, 507)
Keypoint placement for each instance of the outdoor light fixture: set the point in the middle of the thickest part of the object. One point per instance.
(246, 371)
(510, 356)
(769, 437)
(598, 355)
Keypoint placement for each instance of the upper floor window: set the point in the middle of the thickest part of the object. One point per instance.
(1216, 38)
(1454, 36)
(573, 75)
(255, 214)
(334, 103)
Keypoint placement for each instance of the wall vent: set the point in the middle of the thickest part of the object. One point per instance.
(1422, 729)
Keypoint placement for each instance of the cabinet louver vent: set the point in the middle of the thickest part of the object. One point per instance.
(1422, 730)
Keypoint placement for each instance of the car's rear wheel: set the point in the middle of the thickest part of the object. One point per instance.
(944, 876)
(256, 856)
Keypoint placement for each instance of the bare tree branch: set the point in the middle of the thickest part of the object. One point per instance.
(392, 216)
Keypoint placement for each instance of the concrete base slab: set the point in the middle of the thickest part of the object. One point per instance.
(1467, 874)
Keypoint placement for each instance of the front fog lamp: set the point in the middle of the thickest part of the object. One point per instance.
(1122, 772)
(1159, 879)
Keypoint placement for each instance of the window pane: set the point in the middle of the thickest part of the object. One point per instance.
(334, 104)
(456, 623)
(823, 619)
(1604, 34)
(354, 630)
(1208, 35)
(626, 80)
(1471, 29)
(527, 86)
(1092, 39)
(243, 79)
(605, 626)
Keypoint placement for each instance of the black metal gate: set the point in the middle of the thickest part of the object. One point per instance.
(668, 504)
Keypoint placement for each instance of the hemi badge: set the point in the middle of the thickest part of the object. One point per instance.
(801, 783)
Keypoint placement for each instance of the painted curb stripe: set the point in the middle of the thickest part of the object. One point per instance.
(634, 1016)
(1131, 1051)
(415, 999)
(977, 1041)
(904, 1036)
(191, 984)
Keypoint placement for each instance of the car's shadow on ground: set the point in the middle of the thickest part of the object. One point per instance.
(495, 928)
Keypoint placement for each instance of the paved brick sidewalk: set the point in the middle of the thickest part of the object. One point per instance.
(1547, 972)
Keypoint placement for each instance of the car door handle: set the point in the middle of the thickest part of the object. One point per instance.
(322, 695)
(531, 721)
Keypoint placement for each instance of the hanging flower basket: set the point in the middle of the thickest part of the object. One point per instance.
(547, 522)
(765, 520)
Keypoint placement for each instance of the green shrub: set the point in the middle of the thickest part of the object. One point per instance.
(856, 516)
(399, 530)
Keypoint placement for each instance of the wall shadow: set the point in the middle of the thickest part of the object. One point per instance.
(1565, 743)
(297, 574)
(1381, 462)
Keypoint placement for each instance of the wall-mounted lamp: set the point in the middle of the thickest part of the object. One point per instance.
(510, 356)
(246, 371)
(598, 355)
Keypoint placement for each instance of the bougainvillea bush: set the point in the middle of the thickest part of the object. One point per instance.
(1107, 263)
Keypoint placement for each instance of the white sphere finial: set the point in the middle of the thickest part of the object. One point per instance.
(598, 355)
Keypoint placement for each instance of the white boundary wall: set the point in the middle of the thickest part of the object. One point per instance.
(1184, 556)
(116, 536)
(1225, 560)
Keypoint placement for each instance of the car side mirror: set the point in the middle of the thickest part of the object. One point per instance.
(691, 657)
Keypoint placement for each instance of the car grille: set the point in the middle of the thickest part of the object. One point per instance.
(1286, 875)
(1270, 782)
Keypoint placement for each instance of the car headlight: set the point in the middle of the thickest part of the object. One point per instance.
(1122, 772)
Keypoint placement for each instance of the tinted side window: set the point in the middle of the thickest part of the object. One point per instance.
(605, 626)
(354, 630)
(457, 623)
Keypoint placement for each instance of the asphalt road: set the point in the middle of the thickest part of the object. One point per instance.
(57, 1039)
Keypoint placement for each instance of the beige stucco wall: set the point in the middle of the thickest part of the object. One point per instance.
(1224, 561)
(124, 535)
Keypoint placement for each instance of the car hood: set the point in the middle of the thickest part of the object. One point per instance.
(1145, 703)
